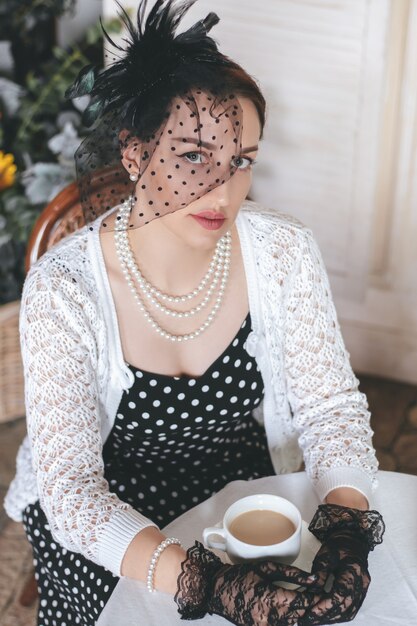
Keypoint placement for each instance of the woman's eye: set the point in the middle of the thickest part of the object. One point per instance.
(193, 157)
(242, 163)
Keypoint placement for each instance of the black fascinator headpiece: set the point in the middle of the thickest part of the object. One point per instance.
(151, 55)
(163, 100)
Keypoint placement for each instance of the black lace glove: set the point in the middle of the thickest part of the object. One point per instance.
(347, 536)
(246, 594)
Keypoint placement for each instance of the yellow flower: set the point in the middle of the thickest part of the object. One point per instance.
(7, 170)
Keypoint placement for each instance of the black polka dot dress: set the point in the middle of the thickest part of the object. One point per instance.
(175, 442)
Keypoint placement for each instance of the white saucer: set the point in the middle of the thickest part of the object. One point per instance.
(309, 548)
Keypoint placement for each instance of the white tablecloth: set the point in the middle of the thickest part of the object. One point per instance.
(392, 595)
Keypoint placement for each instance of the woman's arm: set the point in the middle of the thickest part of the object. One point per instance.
(330, 413)
(346, 496)
(138, 556)
(63, 417)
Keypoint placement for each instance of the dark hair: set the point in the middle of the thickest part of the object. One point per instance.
(224, 79)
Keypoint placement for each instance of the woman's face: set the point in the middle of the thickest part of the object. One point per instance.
(203, 221)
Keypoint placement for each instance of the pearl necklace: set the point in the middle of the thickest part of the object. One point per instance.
(218, 269)
(188, 296)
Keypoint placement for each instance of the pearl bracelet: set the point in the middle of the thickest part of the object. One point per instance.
(154, 560)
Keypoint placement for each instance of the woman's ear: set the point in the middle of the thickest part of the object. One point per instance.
(131, 151)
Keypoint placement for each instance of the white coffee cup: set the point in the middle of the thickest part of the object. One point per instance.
(238, 551)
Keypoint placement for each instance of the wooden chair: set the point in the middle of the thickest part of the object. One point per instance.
(63, 215)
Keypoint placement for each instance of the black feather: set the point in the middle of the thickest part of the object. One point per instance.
(151, 58)
(84, 82)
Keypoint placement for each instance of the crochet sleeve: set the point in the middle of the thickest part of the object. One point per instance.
(63, 421)
(330, 414)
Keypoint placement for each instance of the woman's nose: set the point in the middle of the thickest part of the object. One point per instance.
(221, 195)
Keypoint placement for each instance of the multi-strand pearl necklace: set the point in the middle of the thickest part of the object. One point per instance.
(142, 290)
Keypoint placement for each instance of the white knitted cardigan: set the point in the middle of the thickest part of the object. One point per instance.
(75, 375)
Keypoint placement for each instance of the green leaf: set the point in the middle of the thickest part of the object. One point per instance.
(59, 53)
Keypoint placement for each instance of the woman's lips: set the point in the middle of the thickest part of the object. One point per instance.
(209, 220)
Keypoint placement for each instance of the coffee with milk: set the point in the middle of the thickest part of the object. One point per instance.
(261, 527)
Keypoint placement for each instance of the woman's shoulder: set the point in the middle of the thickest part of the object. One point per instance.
(67, 263)
(273, 224)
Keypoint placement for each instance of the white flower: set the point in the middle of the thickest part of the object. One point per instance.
(11, 94)
(68, 116)
(4, 239)
(66, 142)
(43, 181)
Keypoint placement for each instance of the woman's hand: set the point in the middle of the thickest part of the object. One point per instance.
(347, 536)
(246, 595)
(342, 564)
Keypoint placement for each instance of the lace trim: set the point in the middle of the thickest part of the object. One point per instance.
(195, 582)
(343, 602)
(331, 518)
(244, 594)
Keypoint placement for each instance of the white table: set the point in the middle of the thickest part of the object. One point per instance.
(392, 595)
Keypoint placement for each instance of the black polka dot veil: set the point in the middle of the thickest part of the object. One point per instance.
(187, 137)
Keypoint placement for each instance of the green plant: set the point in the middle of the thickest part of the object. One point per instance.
(40, 130)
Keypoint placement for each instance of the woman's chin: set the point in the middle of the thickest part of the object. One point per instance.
(202, 237)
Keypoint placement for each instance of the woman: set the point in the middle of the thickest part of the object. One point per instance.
(184, 338)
